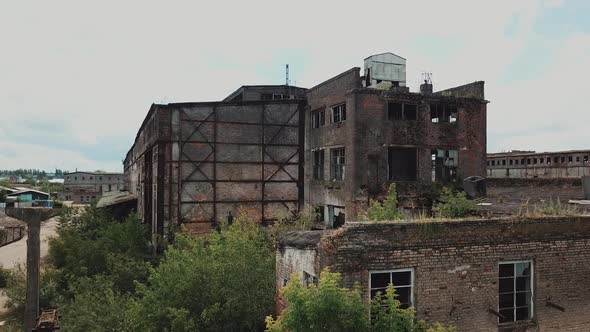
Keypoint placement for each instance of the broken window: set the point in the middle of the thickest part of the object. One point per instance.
(444, 165)
(319, 213)
(309, 279)
(410, 111)
(511, 161)
(577, 159)
(339, 113)
(493, 163)
(266, 96)
(515, 293)
(440, 113)
(318, 118)
(585, 159)
(563, 159)
(337, 164)
(318, 165)
(401, 164)
(503, 162)
(548, 160)
(401, 279)
(556, 160)
(400, 111)
(534, 160)
(542, 161)
(528, 161)
(570, 159)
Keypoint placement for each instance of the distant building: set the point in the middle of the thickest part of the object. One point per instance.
(12, 179)
(29, 195)
(87, 187)
(531, 164)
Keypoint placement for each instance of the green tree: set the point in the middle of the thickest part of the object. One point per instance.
(325, 307)
(221, 282)
(96, 306)
(387, 315)
(453, 204)
(386, 211)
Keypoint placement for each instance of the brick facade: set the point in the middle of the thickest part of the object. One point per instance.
(369, 133)
(455, 266)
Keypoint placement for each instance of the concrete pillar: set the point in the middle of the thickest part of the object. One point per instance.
(33, 217)
(586, 185)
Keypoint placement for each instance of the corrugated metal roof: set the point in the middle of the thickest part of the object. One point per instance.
(114, 198)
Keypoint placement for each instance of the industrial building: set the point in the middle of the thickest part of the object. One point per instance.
(87, 187)
(516, 274)
(195, 164)
(269, 149)
(531, 164)
(364, 132)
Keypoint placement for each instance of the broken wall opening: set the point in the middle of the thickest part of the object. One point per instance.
(402, 164)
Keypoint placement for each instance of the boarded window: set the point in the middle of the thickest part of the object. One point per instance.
(402, 165)
(400, 111)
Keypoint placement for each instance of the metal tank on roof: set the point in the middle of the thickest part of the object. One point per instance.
(384, 71)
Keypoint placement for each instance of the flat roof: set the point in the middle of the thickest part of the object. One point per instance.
(532, 153)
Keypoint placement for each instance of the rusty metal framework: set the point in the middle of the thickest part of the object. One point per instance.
(254, 162)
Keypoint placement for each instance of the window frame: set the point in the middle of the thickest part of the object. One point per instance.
(341, 109)
(333, 165)
(390, 271)
(532, 291)
(317, 169)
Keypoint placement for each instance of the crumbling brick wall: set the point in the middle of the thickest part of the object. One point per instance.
(456, 266)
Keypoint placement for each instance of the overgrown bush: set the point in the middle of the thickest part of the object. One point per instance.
(453, 204)
(325, 307)
(386, 211)
(298, 221)
(221, 282)
(330, 307)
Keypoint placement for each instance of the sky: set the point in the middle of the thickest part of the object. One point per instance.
(78, 77)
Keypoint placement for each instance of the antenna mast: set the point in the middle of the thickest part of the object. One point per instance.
(287, 74)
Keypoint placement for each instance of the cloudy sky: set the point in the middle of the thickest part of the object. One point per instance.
(78, 77)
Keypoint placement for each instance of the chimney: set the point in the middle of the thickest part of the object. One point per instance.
(426, 88)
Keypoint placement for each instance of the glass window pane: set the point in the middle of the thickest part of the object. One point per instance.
(508, 315)
(506, 285)
(523, 299)
(522, 313)
(506, 270)
(401, 278)
(523, 269)
(404, 294)
(523, 284)
(506, 301)
(379, 280)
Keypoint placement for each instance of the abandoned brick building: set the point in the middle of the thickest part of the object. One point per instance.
(197, 163)
(478, 275)
(531, 164)
(194, 163)
(363, 132)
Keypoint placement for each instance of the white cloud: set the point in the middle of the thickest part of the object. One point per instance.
(90, 71)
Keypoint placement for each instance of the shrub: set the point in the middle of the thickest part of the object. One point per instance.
(325, 307)
(453, 204)
(386, 211)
